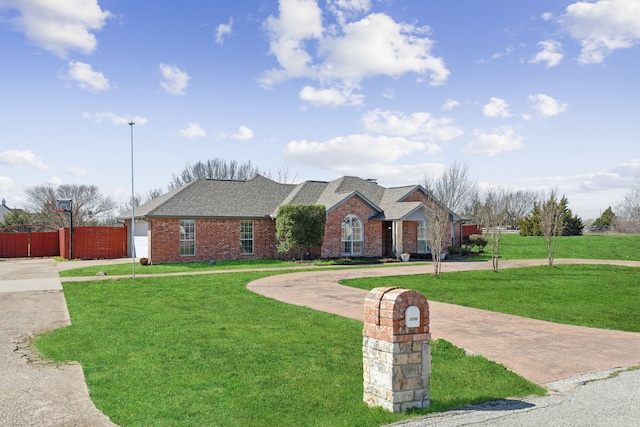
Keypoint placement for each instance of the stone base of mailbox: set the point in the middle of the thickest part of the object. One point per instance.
(396, 357)
(394, 374)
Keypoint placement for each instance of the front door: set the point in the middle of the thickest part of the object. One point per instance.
(387, 239)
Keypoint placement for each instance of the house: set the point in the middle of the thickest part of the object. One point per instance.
(232, 219)
(4, 210)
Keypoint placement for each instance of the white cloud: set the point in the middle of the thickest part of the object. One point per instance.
(59, 26)
(6, 184)
(377, 45)
(299, 20)
(602, 27)
(330, 97)
(497, 141)
(114, 118)
(419, 125)
(77, 171)
(351, 151)
(496, 107)
(174, 80)
(86, 77)
(619, 177)
(223, 30)
(243, 134)
(547, 106)
(551, 53)
(345, 9)
(450, 104)
(193, 130)
(388, 93)
(55, 181)
(350, 52)
(24, 158)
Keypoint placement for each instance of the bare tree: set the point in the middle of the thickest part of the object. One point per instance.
(551, 221)
(629, 211)
(89, 206)
(438, 225)
(454, 187)
(282, 175)
(492, 214)
(520, 205)
(213, 169)
(449, 191)
(154, 193)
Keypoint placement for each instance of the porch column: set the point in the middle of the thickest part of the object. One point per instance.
(397, 237)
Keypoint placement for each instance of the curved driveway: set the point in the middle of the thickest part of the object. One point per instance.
(540, 351)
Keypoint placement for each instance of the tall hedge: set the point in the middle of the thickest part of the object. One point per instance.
(300, 228)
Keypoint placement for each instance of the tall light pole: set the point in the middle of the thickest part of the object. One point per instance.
(133, 217)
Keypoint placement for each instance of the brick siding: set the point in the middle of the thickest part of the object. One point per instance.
(215, 239)
(332, 244)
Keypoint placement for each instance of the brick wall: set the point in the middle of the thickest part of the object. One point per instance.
(410, 237)
(215, 239)
(332, 244)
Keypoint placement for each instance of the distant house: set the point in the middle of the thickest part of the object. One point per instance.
(224, 219)
(4, 210)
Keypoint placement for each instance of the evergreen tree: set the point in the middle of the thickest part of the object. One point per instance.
(15, 217)
(300, 228)
(606, 220)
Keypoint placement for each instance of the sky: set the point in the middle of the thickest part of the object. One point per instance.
(529, 95)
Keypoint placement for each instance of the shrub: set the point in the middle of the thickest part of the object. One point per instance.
(475, 241)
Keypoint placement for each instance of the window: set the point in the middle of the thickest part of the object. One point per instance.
(187, 237)
(423, 248)
(246, 237)
(352, 236)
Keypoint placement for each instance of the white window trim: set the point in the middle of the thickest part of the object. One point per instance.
(252, 239)
(422, 225)
(349, 219)
(193, 221)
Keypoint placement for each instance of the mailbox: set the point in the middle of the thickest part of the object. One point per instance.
(412, 317)
(396, 349)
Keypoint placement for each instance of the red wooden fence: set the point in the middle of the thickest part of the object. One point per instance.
(29, 244)
(469, 229)
(88, 243)
(94, 242)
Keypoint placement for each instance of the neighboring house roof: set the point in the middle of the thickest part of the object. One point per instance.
(4, 210)
(260, 197)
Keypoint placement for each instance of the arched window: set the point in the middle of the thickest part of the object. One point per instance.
(352, 236)
(423, 248)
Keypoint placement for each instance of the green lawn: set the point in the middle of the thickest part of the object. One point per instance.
(591, 246)
(600, 296)
(203, 350)
(183, 267)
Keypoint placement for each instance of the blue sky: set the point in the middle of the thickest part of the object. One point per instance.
(528, 94)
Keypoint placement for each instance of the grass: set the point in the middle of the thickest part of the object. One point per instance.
(124, 269)
(203, 350)
(591, 246)
(599, 296)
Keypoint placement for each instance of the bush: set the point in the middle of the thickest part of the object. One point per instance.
(473, 241)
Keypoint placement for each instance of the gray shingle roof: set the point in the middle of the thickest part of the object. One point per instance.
(260, 197)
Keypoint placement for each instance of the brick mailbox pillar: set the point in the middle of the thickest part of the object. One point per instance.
(396, 350)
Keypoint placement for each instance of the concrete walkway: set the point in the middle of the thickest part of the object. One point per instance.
(32, 392)
(539, 351)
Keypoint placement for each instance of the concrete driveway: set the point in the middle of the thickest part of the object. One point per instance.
(32, 392)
